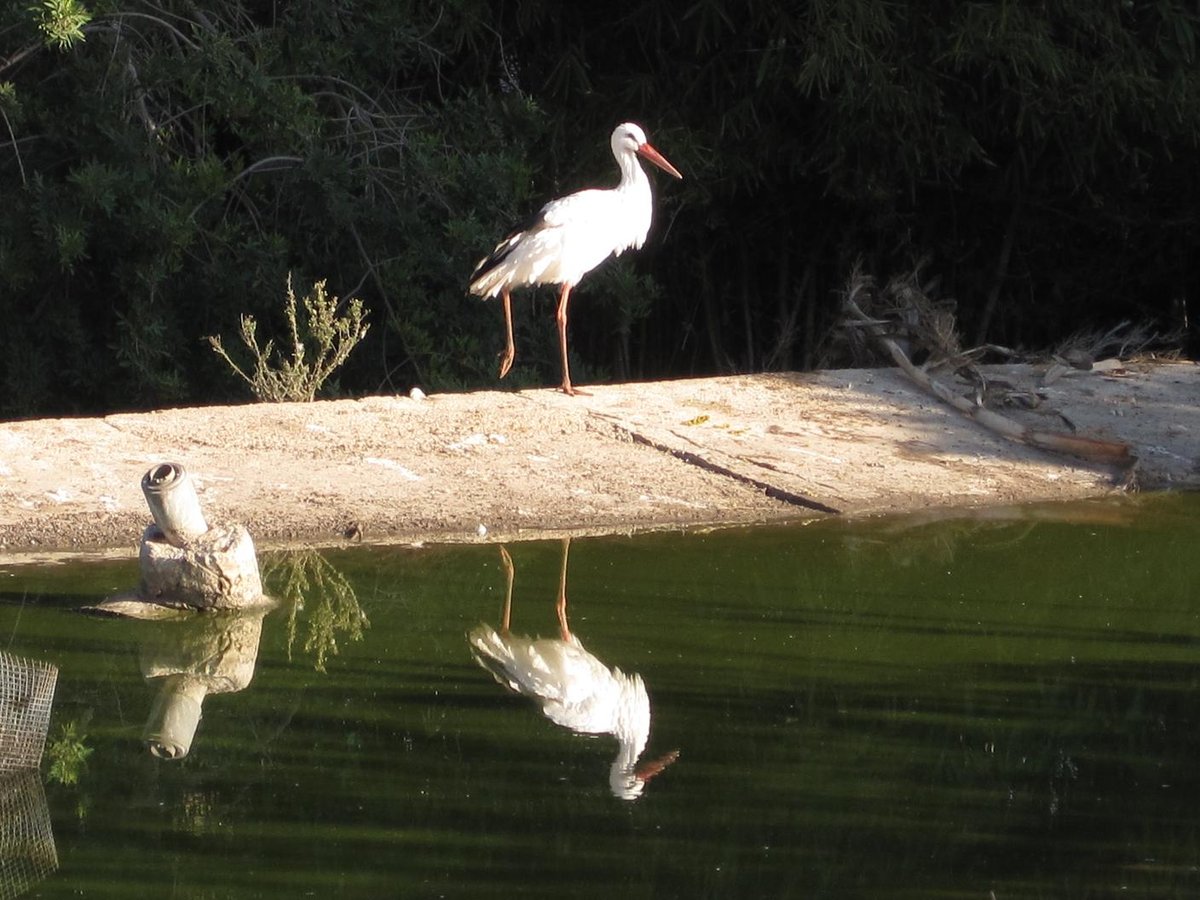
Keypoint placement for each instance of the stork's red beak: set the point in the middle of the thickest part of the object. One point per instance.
(658, 159)
(648, 770)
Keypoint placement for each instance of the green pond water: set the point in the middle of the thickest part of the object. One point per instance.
(1000, 705)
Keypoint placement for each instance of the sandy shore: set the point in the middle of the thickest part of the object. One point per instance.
(508, 465)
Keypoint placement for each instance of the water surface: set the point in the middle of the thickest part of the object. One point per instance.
(1003, 704)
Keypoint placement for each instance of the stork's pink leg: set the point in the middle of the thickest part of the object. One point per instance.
(506, 618)
(561, 318)
(510, 350)
(561, 607)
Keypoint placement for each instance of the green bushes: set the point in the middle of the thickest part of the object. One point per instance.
(163, 166)
(171, 168)
(320, 341)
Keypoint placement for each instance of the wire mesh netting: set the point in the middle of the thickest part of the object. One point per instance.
(27, 851)
(26, 695)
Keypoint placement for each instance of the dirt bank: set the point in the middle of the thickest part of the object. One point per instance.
(492, 465)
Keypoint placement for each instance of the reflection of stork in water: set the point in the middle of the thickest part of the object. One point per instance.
(574, 688)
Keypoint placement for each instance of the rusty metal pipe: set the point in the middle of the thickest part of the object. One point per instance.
(173, 503)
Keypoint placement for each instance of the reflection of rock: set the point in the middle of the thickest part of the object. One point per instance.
(573, 687)
(27, 851)
(190, 660)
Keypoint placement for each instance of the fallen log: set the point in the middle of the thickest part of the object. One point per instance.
(1096, 450)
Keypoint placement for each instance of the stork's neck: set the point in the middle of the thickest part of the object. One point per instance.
(622, 779)
(631, 723)
(633, 176)
(631, 727)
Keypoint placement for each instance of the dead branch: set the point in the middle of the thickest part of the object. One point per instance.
(10, 61)
(1091, 449)
(16, 149)
(1125, 340)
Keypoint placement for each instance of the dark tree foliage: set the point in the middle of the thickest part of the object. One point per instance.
(164, 172)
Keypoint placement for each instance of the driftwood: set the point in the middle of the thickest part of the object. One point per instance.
(1091, 449)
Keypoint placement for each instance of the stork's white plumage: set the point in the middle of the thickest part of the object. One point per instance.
(573, 687)
(571, 236)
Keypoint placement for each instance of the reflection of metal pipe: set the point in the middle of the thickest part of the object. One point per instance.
(175, 715)
(173, 503)
(187, 661)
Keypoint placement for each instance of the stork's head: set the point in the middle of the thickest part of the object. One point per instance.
(629, 138)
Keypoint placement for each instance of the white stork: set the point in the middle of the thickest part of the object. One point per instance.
(571, 236)
(573, 687)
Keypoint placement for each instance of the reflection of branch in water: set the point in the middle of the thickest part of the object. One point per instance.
(915, 547)
(306, 582)
(68, 752)
(573, 687)
(937, 535)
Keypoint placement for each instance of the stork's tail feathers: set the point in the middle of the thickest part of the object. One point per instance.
(490, 273)
(491, 652)
(488, 277)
